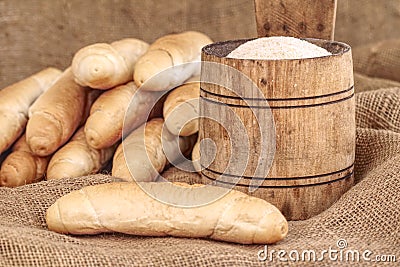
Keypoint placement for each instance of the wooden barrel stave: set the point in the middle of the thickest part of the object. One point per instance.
(312, 103)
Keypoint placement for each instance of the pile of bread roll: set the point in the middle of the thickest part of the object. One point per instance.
(58, 124)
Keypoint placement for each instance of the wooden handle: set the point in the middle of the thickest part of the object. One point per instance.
(305, 18)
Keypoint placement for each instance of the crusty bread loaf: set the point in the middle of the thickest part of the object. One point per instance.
(143, 151)
(104, 126)
(170, 51)
(181, 109)
(104, 66)
(56, 114)
(15, 101)
(127, 208)
(77, 158)
(21, 166)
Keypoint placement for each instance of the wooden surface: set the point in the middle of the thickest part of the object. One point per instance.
(312, 103)
(303, 19)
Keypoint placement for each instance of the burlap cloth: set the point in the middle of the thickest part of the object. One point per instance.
(38, 33)
(367, 216)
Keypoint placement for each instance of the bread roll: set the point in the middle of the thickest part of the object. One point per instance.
(127, 208)
(143, 151)
(170, 51)
(77, 158)
(181, 109)
(55, 116)
(104, 66)
(15, 101)
(21, 166)
(106, 121)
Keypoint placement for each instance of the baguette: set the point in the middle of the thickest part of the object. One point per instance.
(181, 109)
(55, 116)
(127, 208)
(104, 66)
(143, 151)
(15, 101)
(21, 166)
(104, 126)
(77, 158)
(170, 51)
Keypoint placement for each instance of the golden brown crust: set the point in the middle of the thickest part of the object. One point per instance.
(56, 115)
(144, 148)
(127, 208)
(21, 166)
(77, 158)
(170, 51)
(104, 66)
(15, 101)
(108, 115)
(181, 109)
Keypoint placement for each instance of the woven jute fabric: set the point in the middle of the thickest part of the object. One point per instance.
(380, 59)
(367, 216)
(364, 83)
(36, 34)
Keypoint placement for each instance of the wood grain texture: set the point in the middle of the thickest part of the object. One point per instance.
(306, 18)
(312, 103)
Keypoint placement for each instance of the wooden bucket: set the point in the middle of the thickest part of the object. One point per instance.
(312, 105)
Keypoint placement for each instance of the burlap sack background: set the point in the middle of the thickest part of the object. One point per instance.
(40, 33)
(367, 216)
